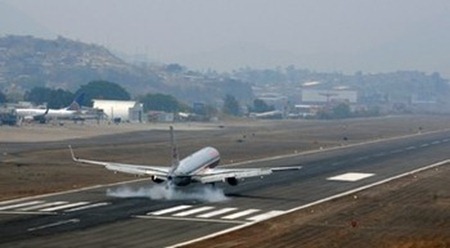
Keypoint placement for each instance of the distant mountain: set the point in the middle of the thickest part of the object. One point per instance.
(27, 62)
(62, 63)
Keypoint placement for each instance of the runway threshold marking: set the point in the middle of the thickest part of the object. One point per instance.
(71, 205)
(216, 213)
(240, 214)
(222, 215)
(19, 205)
(265, 216)
(43, 207)
(350, 176)
(170, 210)
(193, 211)
(100, 204)
(190, 219)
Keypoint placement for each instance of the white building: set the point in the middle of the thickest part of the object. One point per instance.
(323, 96)
(128, 111)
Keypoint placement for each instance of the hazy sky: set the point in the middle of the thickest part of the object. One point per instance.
(325, 35)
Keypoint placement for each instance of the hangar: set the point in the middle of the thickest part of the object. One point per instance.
(127, 111)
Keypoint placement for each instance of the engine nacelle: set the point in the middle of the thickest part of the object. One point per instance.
(231, 181)
(156, 179)
(181, 180)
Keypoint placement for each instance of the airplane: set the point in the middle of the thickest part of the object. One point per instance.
(199, 167)
(41, 115)
(275, 114)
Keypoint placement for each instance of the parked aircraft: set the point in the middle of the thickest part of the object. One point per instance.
(41, 115)
(199, 167)
(275, 114)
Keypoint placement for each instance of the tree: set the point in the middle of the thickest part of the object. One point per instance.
(260, 106)
(102, 90)
(174, 68)
(342, 110)
(60, 98)
(231, 105)
(2, 98)
(160, 102)
(38, 95)
(54, 98)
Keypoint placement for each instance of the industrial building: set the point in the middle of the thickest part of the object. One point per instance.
(120, 111)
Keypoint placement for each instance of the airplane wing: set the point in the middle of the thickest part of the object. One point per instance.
(160, 171)
(220, 175)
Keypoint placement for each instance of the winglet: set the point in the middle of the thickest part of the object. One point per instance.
(73, 154)
(175, 158)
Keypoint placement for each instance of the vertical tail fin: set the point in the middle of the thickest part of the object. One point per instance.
(175, 158)
(76, 104)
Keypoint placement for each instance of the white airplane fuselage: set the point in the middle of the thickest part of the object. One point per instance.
(52, 113)
(196, 163)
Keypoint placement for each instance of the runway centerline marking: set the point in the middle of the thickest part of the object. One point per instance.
(350, 176)
(59, 223)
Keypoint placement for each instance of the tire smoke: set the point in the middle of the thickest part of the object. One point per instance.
(203, 193)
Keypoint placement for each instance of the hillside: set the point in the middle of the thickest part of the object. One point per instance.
(27, 62)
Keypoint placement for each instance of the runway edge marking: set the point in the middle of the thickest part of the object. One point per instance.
(314, 203)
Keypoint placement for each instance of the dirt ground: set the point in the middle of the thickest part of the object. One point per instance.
(377, 215)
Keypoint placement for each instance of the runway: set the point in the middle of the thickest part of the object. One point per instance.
(91, 217)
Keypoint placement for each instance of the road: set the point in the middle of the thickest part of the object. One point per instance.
(94, 217)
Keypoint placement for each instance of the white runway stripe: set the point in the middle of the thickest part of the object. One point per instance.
(193, 211)
(206, 212)
(44, 205)
(264, 216)
(216, 213)
(71, 205)
(351, 176)
(19, 205)
(170, 210)
(88, 207)
(240, 214)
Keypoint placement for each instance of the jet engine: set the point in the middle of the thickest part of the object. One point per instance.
(157, 179)
(181, 180)
(231, 181)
